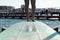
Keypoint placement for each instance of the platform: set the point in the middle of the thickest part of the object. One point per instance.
(29, 31)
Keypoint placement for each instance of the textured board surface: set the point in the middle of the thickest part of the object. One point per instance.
(29, 31)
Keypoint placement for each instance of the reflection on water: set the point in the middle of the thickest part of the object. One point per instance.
(9, 22)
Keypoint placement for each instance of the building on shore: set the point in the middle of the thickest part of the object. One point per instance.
(18, 10)
(6, 9)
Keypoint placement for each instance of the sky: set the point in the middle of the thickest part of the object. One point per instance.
(39, 3)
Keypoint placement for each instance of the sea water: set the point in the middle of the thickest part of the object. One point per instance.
(8, 22)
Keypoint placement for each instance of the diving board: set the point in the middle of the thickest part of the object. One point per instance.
(29, 31)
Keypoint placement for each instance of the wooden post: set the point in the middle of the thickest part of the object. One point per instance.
(46, 12)
(59, 17)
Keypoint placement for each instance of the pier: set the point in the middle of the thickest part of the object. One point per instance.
(37, 15)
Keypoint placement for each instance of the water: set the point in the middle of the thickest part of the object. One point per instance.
(52, 24)
(8, 22)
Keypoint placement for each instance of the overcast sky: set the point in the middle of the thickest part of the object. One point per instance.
(39, 3)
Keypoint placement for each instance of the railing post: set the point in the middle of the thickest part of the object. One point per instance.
(59, 17)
